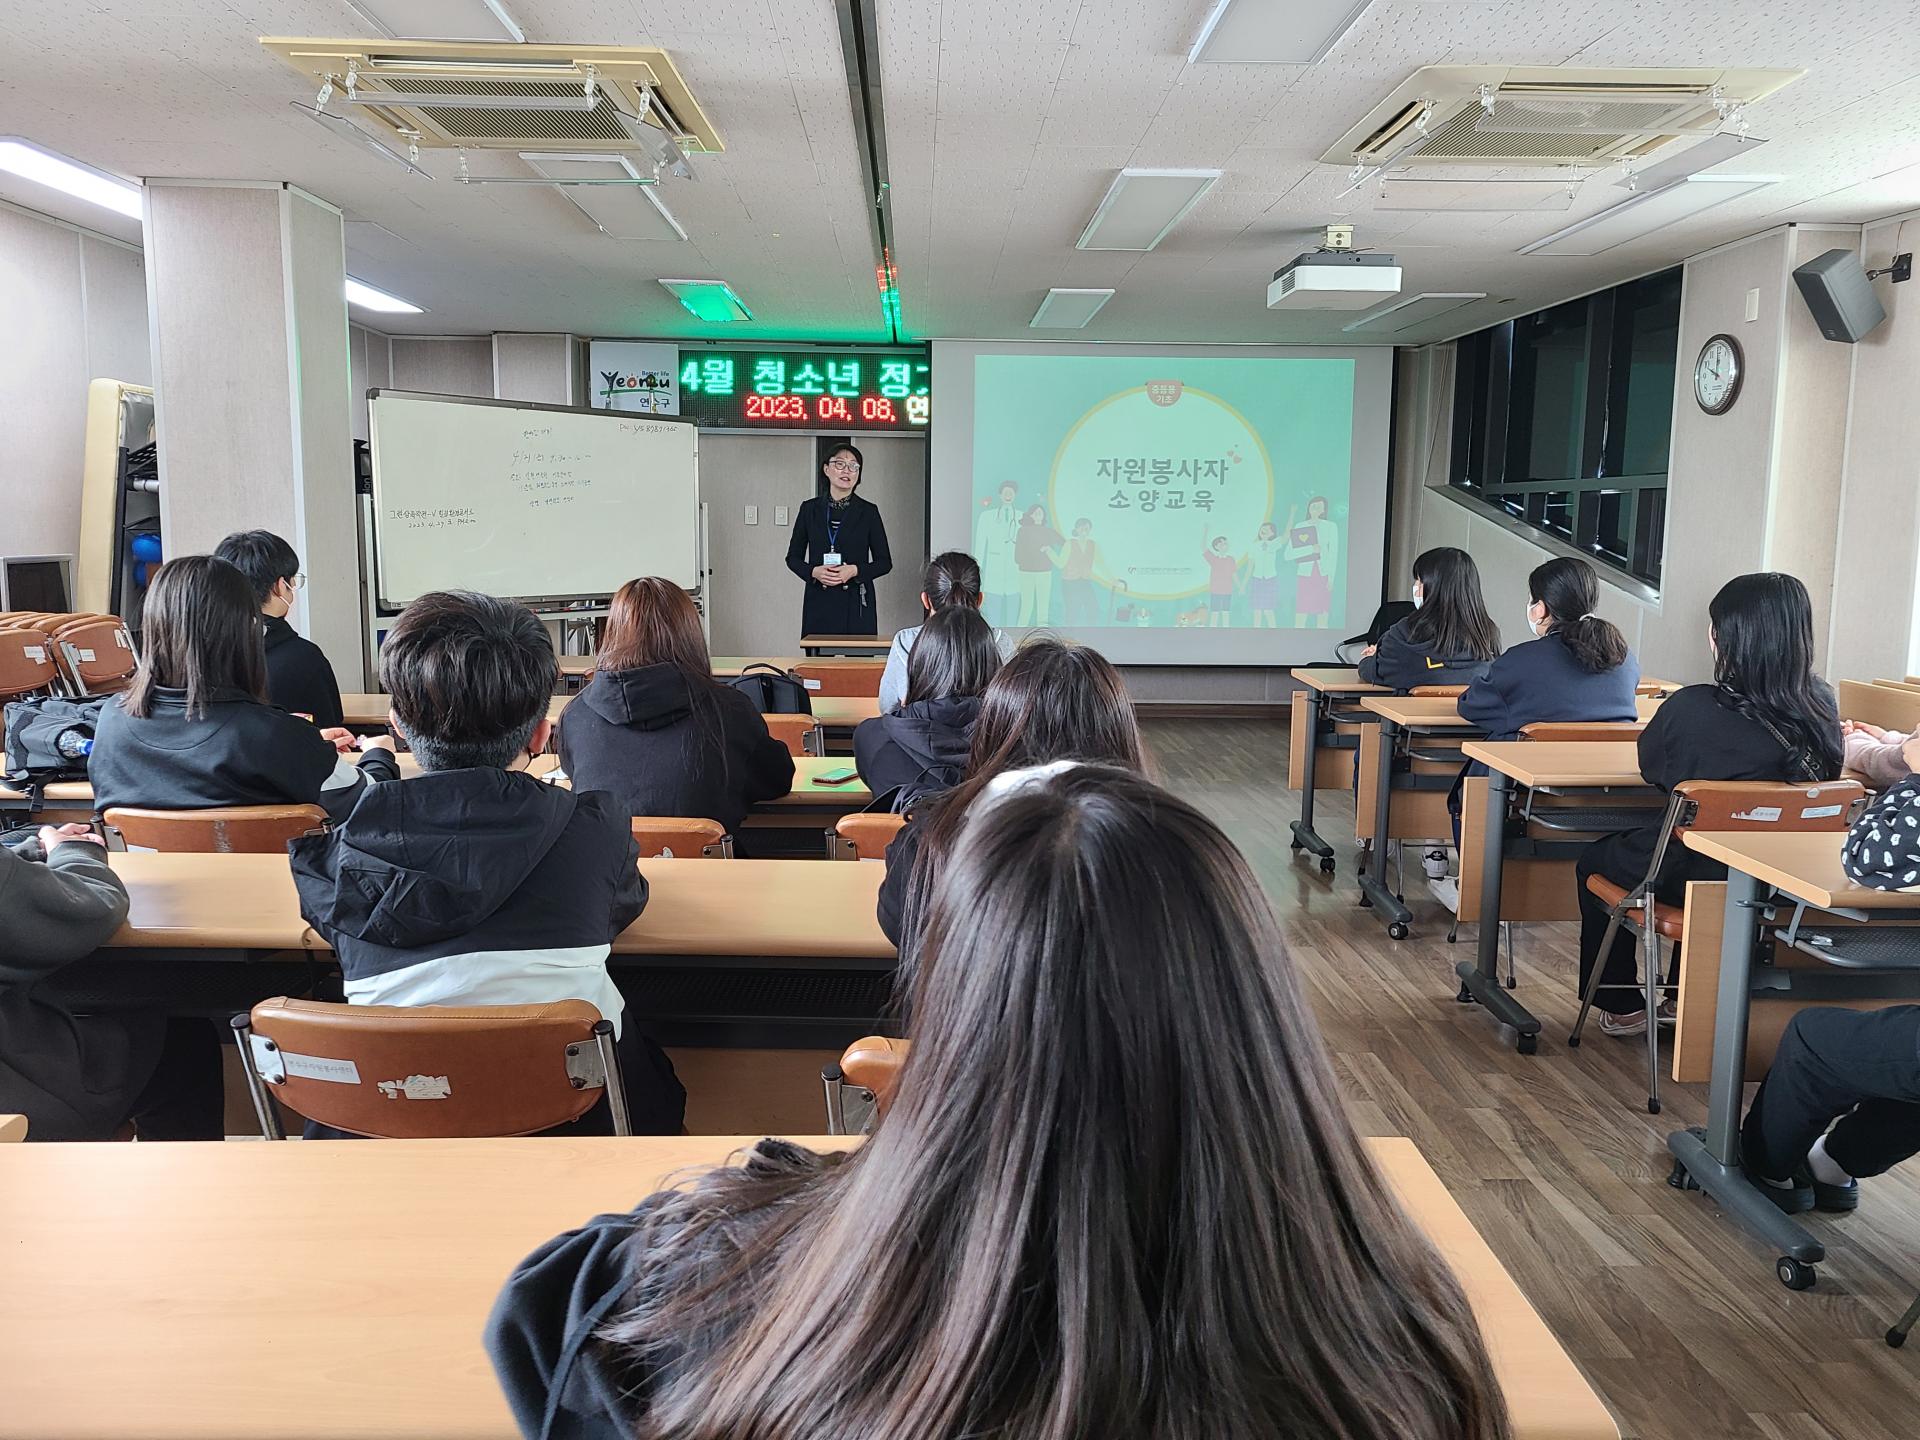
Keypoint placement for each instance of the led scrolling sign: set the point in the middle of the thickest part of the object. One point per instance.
(805, 390)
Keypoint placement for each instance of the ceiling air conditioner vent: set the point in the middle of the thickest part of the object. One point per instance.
(491, 96)
(1540, 116)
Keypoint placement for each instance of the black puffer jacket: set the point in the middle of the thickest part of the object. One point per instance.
(920, 749)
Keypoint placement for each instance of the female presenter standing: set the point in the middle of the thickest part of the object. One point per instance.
(839, 548)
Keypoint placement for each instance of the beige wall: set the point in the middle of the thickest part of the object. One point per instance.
(75, 310)
(370, 367)
(536, 368)
(443, 364)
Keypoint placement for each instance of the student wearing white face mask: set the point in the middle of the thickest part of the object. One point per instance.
(1574, 666)
(1448, 640)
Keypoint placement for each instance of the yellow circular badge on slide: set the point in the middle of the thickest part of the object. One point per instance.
(1161, 470)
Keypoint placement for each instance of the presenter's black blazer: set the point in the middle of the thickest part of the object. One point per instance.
(839, 609)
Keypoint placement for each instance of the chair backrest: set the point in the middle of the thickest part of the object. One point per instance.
(1583, 730)
(1454, 690)
(224, 830)
(28, 663)
(1759, 805)
(1652, 687)
(96, 653)
(430, 1072)
(801, 734)
(864, 835)
(871, 1063)
(849, 678)
(684, 838)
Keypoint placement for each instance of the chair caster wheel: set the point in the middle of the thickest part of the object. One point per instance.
(1397, 930)
(1896, 1338)
(1527, 1044)
(1794, 1274)
(1653, 1106)
(1326, 864)
(1465, 997)
(1680, 1178)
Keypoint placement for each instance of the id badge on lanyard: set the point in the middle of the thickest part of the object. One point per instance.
(832, 557)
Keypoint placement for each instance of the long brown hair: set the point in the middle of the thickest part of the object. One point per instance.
(1116, 1194)
(653, 622)
(200, 632)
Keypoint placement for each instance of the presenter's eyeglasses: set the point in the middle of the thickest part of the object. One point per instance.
(844, 465)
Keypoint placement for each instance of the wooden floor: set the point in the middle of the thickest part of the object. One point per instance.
(1674, 1314)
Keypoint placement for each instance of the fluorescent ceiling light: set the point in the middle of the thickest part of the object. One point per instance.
(1646, 212)
(1141, 206)
(1710, 152)
(1068, 309)
(1260, 32)
(367, 298)
(709, 299)
(1415, 309)
(625, 212)
(44, 167)
(439, 19)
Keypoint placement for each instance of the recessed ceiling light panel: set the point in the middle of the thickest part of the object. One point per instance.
(439, 19)
(711, 300)
(1141, 206)
(1261, 32)
(1068, 309)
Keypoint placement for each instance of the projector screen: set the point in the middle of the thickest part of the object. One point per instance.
(1175, 505)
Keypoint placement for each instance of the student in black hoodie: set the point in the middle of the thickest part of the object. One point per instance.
(921, 748)
(195, 730)
(476, 884)
(1767, 716)
(299, 679)
(655, 730)
(1448, 640)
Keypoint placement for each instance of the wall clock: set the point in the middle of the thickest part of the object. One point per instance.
(1717, 374)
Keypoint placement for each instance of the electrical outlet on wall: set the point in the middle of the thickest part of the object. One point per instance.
(753, 514)
(779, 514)
(1753, 303)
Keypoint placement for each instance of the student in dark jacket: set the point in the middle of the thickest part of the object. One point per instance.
(1448, 640)
(195, 730)
(656, 731)
(299, 679)
(1027, 1245)
(921, 748)
(476, 884)
(1578, 669)
(74, 1077)
(1767, 716)
(1053, 701)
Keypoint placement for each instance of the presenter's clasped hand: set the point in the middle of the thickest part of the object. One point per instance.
(835, 574)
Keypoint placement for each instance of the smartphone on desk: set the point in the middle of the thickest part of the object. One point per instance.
(843, 776)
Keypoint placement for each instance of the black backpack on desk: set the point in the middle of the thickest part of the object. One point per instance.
(773, 691)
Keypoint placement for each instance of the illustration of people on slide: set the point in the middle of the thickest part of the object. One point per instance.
(1263, 577)
(1079, 568)
(994, 534)
(1036, 548)
(1313, 545)
(1222, 570)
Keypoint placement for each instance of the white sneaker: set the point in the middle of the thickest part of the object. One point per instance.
(1434, 862)
(1446, 890)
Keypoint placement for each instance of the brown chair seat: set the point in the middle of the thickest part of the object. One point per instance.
(865, 836)
(686, 837)
(1666, 918)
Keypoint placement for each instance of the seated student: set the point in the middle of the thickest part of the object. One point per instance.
(1578, 669)
(1767, 716)
(73, 1077)
(1448, 640)
(921, 747)
(1879, 756)
(1115, 1195)
(299, 679)
(1053, 701)
(476, 884)
(1883, 847)
(951, 579)
(656, 731)
(195, 730)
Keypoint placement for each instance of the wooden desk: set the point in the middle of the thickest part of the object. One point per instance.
(1541, 870)
(1315, 758)
(65, 801)
(1800, 867)
(242, 1294)
(835, 712)
(808, 793)
(817, 645)
(1880, 705)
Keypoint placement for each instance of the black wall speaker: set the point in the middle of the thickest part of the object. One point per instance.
(1837, 291)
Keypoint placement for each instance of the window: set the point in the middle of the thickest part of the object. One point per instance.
(1563, 419)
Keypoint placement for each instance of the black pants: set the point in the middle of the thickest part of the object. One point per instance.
(1624, 859)
(1862, 1066)
(186, 1097)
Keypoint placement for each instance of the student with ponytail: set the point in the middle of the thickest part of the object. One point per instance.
(1578, 669)
(952, 579)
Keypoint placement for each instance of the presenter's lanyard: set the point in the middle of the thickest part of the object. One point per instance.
(833, 532)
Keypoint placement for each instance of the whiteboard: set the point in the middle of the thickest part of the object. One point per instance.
(530, 502)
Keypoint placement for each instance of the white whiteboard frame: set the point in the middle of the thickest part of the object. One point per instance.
(383, 607)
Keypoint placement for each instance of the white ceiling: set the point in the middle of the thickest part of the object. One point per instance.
(1005, 122)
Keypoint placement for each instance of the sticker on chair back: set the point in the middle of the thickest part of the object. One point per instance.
(1761, 814)
(1821, 812)
(318, 1067)
(418, 1087)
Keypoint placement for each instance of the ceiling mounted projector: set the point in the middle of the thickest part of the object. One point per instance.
(1333, 280)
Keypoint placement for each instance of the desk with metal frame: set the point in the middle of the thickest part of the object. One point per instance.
(1408, 715)
(1322, 689)
(1798, 871)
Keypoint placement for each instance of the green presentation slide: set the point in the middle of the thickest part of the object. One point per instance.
(1162, 493)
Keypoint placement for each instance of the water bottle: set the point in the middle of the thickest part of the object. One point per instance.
(73, 744)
